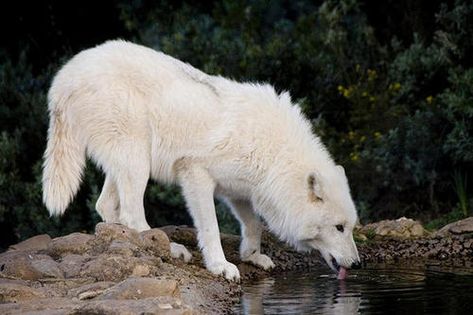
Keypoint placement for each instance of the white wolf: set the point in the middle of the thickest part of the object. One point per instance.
(141, 114)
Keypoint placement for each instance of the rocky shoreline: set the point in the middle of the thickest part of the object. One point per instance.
(394, 240)
(115, 271)
(120, 271)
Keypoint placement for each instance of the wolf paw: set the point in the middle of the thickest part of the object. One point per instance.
(260, 260)
(228, 270)
(180, 251)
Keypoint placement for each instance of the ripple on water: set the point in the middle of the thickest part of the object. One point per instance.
(374, 290)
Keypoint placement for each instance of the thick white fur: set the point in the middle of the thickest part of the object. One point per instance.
(139, 113)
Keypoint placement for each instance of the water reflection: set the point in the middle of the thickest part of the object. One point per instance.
(293, 294)
(380, 290)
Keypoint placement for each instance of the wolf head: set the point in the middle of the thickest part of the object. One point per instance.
(327, 219)
(314, 211)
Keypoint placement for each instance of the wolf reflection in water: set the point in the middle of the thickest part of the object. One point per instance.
(377, 289)
(281, 296)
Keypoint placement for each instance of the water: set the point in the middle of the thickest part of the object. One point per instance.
(373, 290)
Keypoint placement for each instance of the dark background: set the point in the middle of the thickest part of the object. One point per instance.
(386, 84)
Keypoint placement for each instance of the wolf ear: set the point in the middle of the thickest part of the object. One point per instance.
(315, 188)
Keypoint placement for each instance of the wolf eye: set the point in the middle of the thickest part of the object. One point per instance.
(339, 227)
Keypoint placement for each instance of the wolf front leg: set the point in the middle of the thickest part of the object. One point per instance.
(198, 190)
(250, 247)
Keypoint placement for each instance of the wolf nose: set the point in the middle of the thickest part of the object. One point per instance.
(356, 265)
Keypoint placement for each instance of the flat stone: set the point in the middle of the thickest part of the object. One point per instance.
(91, 290)
(18, 264)
(108, 267)
(72, 264)
(127, 307)
(11, 292)
(459, 227)
(47, 306)
(141, 288)
(47, 267)
(35, 243)
(75, 243)
(122, 247)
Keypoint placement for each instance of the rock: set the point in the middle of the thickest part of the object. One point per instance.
(122, 247)
(72, 264)
(77, 274)
(47, 267)
(45, 306)
(35, 243)
(22, 265)
(141, 271)
(141, 288)
(402, 228)
(156, 241)
(15, 291)
(460, 227)
(91, 290)
(75, 243)
(107, 267)
(108, 232)
(128, 307)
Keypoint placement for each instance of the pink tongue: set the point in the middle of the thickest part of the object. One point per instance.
(342, 273)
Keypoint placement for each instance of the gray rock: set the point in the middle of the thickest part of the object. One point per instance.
(122, 247)
(72, 264)
(460, 227)
(157, 306)
(156, 241)
(108, 267)
(75, 243)
(90, 290)
(35, 243)
(141, 288)
(108, 232)
(47, 267)
(45, 306)
(22, 265)
(11, 292)
(402, 228)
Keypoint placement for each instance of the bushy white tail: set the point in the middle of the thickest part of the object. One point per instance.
(64, 161)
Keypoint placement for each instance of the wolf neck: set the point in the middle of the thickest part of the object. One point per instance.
(282, 195)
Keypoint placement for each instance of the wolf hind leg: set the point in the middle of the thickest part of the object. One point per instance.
(128, 164)
(251, 229)
(108, 204)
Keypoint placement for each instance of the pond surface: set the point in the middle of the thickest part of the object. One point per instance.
(373, 290)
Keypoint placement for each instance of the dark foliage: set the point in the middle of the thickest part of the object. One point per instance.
(387, 85)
